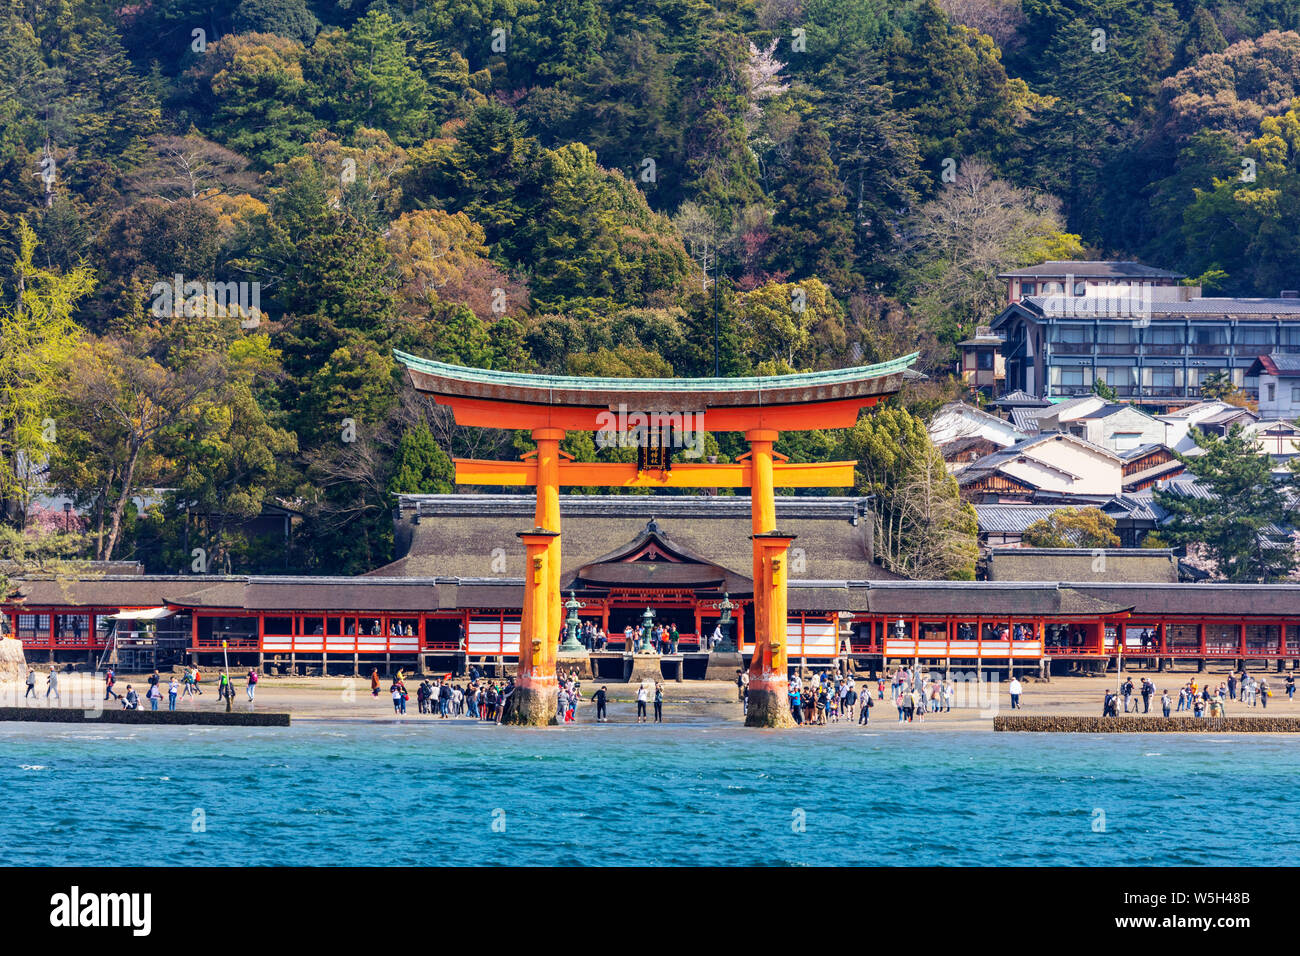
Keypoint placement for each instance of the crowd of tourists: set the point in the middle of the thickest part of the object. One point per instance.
(663, 639)
(1192, 697)
(488, 699)
(173, 688)
(479, 698)
(827, 697)
(916, 694)
(593, 636)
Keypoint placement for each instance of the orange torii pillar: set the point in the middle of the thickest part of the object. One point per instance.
(769, 698)
(534, 699)
(547, 515)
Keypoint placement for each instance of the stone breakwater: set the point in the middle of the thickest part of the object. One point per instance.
(1148, 725)
(65, 715)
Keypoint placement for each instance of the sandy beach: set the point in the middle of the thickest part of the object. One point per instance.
(342, 698)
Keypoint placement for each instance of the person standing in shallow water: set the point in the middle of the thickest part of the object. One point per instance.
(601, 697)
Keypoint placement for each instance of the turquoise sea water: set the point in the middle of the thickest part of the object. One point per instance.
(425, 794)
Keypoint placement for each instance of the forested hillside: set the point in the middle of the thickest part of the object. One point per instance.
(569, 186)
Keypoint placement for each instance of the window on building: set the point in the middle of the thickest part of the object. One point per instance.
(1164, 378)
(984, 360)
(1120, 377)
(1271, 391)
(1295, 395)
(1053, 288)
(1081, 288)
(1209, 335)
(1165, 335)
(1069, 375)
(1027, 288)
(1261, 336)
(1076, 334)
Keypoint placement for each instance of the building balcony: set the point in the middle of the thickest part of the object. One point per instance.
(1117, 348)
(1160, 348)
(1203, 351)
(1071, 348)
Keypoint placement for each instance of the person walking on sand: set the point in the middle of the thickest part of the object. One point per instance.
(251, 687)
(1263, 693)
(659, 703)
(109, 680)
(52, 686)
(173, 688)
(864, 713)
(374, 682)
(154, 693)
(1014, 687)
(31, 684)
(601, 697)
(1165, 701)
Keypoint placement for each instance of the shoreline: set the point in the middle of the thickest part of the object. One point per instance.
(715, 703)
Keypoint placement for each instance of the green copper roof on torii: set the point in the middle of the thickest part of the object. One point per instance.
(802, 387)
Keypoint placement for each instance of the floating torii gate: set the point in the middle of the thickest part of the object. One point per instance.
(663, 412)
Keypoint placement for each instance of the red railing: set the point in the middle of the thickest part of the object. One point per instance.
(243, 642)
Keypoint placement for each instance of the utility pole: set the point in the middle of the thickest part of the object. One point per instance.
(717, 292)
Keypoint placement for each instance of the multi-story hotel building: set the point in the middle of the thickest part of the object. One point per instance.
(1151, 339)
